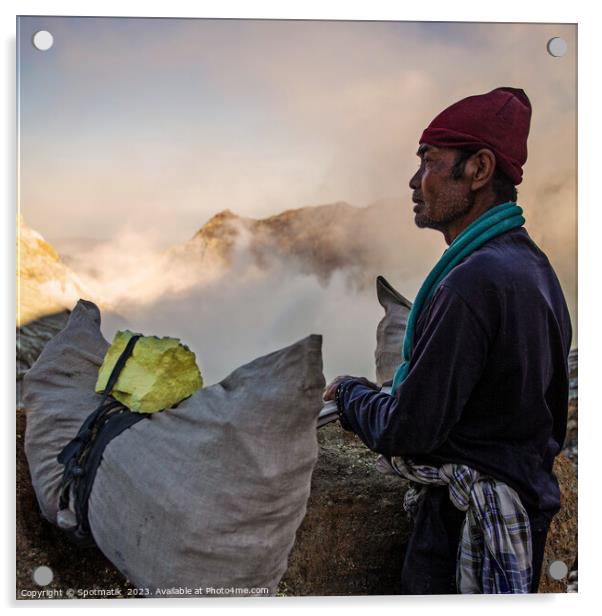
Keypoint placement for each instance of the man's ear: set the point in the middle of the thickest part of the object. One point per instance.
(480, 167)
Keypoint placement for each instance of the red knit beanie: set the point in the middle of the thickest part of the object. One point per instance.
(498, 120)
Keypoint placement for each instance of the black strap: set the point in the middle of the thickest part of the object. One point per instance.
(82, 455)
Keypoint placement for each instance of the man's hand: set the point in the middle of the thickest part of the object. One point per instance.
(331, 388)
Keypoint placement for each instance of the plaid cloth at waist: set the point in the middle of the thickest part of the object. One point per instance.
(494, 553)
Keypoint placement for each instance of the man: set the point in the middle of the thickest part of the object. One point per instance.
(480, 403)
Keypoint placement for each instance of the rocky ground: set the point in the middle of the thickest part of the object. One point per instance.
(351, 541)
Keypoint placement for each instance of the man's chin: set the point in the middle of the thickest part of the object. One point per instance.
(419, 222)
(423, 222)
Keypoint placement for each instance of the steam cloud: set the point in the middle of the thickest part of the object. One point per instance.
(229, 312)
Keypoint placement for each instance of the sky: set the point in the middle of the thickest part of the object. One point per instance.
(151, 126)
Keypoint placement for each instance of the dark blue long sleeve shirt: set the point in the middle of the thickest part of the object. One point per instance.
(488, 380)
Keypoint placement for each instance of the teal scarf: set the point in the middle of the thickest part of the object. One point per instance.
(492, 223)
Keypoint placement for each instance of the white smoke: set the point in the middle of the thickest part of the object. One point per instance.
(231, 314)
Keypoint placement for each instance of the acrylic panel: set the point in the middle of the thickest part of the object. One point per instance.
(240, 185)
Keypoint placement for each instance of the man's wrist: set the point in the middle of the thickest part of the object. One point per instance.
(338, 397)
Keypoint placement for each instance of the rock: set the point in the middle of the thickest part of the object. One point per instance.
(350, 542)
(317, 240)
(31, 339)
(561, 543)
(573, 410)
(159, 373)
(573, 376)
(47, 286)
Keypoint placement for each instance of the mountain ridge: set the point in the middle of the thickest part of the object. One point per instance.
(45, 285)
(316, 239)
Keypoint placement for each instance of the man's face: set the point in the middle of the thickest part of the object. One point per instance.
(439, 199)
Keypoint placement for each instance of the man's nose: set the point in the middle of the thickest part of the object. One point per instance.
(415, 180)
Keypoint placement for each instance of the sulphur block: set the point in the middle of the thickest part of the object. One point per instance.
(158, 374)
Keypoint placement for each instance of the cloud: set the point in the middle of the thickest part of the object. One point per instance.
(229, 316)
(282, 281)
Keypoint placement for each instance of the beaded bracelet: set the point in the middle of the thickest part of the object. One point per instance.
(338, 398)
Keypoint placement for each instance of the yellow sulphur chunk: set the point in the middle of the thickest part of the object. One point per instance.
(158, 374)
